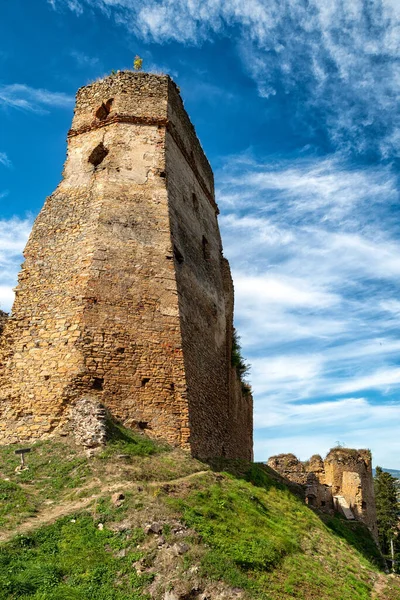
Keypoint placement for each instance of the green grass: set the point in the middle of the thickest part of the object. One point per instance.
(14, 501)
(244, 526)
(129, 443)
(73, 560)
(53, 469)
(264, 538)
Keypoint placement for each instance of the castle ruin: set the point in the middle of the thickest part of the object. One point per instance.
(343, 482)
(125, 294)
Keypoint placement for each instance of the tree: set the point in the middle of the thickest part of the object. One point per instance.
(388, 515)
(237, 361)
(138, 63)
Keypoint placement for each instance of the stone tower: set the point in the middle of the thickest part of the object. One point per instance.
(124, 293)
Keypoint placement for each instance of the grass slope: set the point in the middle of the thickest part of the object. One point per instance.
(231, 531)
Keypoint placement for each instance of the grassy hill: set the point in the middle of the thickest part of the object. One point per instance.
(139, 520)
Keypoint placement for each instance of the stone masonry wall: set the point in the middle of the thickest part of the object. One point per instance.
(349, 472)
(3, 320)
(345, 472)
(205, 300)
(123, 292)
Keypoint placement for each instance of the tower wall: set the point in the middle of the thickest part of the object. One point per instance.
(349, 472)
(123, 293)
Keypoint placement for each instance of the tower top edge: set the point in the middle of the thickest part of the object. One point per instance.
(143, 98)
(127, 76)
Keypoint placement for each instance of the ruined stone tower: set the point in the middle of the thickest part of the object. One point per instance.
(124, 293)
(343, 482)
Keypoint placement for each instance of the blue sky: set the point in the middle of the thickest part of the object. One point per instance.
(296, 104)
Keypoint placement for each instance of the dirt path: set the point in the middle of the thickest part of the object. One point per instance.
(49, 515)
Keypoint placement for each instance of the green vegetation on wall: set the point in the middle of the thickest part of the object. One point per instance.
(237, 361)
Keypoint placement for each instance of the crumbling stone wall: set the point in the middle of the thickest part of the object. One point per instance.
(124, 294)
(349, 472)
(3, 320)
(345, 472)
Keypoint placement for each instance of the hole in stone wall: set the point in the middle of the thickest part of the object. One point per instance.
(162, 174)
(172, 386)
(323, 502)
(178, 256)
(206, 248)
(98, 154)
(98, 383)
(363, 505)
(145, 381)
(143, 425)
(120, 350)
(46, 377)
(104, 110)
(195, 202)
(311, 500)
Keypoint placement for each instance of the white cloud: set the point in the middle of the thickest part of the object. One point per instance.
(315, 254)
(23, 97)
(13, 237)
(83, 60)
(5, 161)
(383, 440)
(340, 71)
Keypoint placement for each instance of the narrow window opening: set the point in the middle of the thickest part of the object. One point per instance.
(104, 110)
(323, 502)
(98, 383)
(145, 381)
(363, 505)
(206, 248)
(310, 500)
(172, 386)
(178, 256)
(98, 154)
(143, 425)
(195, 202)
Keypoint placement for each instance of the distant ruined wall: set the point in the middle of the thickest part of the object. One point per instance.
(349, 473)
(345, 472)
(124, 294)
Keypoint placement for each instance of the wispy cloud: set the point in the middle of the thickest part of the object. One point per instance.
(4, 160)
(316, 278)
(23, 97)
(83, 60)
(338, 62)
(73, 5)
(13, 237)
